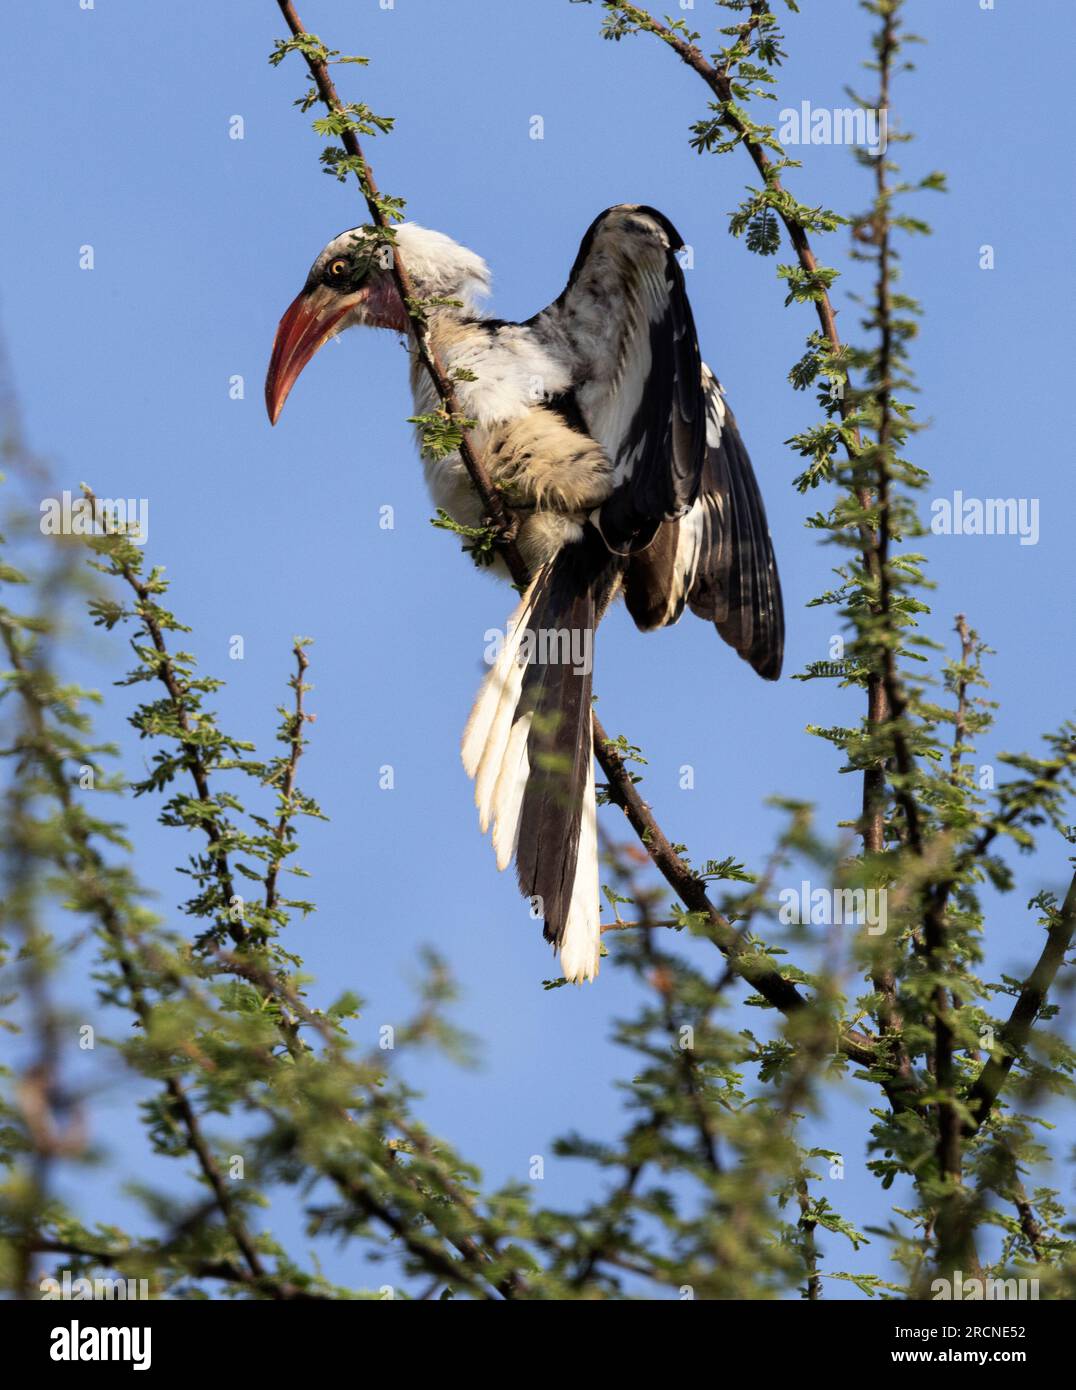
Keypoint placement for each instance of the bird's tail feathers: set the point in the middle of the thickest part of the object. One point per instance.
(528, 745)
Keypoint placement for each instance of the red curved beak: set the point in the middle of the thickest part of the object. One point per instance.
(309, 321)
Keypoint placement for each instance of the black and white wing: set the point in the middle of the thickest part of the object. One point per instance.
(686, 508)
(717, 559)
(624, 325)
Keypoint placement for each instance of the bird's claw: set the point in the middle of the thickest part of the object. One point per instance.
(507, 532)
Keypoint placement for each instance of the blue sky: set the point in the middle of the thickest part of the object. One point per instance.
(200, 241)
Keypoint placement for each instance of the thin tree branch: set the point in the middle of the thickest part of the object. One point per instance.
(287, 790)
(1015, 1033)
(86, 865)
(878, 711)
(768, 981)
(719, 84)
(1028, 1223)
(813, 1287)
(960, 723)
(192, 757)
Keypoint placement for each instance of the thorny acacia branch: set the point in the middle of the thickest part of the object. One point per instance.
(86, 866)
(1016, 1032)
(718, 81)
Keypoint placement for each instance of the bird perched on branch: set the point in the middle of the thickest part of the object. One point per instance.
(612, 444)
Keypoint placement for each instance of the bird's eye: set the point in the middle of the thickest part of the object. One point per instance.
(338, 269)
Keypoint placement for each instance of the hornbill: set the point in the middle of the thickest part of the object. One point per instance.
(613, 445)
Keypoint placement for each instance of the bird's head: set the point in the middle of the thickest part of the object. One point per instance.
(351, 282)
